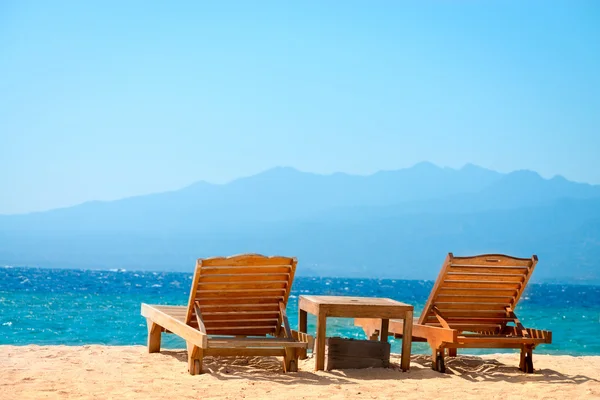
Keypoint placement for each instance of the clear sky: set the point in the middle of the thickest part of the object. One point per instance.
(103, 100)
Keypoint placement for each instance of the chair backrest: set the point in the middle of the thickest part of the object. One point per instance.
(473, 293)
(240, 295)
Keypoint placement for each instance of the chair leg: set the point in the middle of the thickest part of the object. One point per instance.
(526, 359)
(290, 360)
(522, 359)
(437, 360)
(154, 332)
(195, 355)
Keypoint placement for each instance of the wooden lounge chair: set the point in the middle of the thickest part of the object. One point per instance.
(235, 302)
(472, 305)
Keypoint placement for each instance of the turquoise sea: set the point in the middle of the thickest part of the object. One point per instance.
(76, 307)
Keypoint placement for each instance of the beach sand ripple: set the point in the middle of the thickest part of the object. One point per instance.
(129, 372)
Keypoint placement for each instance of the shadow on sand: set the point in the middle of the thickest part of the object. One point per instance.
(471, 368)
(477, 369)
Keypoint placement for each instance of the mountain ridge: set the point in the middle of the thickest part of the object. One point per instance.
(336, 222)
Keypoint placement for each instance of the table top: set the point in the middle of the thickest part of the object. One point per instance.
(354, 307)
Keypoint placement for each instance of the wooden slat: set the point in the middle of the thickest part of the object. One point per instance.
(492, 260)
(485, 277)
(478, 291)
(474, 299)
(240, 298)
(228, 294)
(242, 285)
(238, 307)
(190, 316)
(241, 322)
(246, 260)
(240, 330)
(470, 319)
(470, 326)
(472, 313)
(233, 278)
(254, 342)
(462, 284)
(241, 325)
(489, 269)
(207, 317)
(498, 340)
(264, 269)
(470, 306)
(241, 352)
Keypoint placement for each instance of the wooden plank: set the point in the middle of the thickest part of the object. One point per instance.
(470, 306)
(240, 330)
(264, 269)
(489, 269)
(286, 323)
(485, 277)
(233, 278)
(383, 333)
(232, 293)
(533, 261)
(242, 322)
(464, 284)
(199, 321)
(473, 327)
(474, 299)
(496, 340)
(254, 342)
(364, 311)
(486, 345)
(492, 260)
(478, 291)
(473, 313)
(241, 285)
(439, 317)
(419, 331)
(302, 328)
(243, 298)
(469, 319)
(238, 307)
(321, 334)
(195, 355)
(190, 307)
(154, 332)
(437, 286)
(236, 316)
(545, 336)
(406, 341)
(304, 338)
(241, 352)
(294, 264)
(174, 325)
(246, 260)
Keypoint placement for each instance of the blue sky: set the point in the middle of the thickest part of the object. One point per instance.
(103, 100)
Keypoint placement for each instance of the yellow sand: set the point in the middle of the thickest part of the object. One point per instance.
(102, 372)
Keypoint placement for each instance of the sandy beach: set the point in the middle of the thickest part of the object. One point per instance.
(129, 372)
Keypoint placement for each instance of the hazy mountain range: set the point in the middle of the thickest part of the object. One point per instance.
(389, 224)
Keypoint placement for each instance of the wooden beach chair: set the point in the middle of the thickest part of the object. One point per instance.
(472, 305)
(236, 308)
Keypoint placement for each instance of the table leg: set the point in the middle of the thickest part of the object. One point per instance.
(321, 331)
(302, 327)
(385, 325)
(406, 341)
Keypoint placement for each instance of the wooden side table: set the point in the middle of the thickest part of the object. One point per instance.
(355, 307)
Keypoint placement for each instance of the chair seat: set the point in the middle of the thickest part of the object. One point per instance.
(263, 342)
